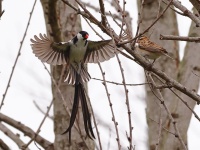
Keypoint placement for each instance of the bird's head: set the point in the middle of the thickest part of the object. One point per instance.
(142, 38)
(83, 35)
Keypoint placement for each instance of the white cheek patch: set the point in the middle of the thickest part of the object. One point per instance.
(63, 42)
(79, 36)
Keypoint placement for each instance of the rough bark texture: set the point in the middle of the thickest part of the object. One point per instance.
(189, 64)
(166, 25)
(62, 24)
(180, 71)
(196, 4)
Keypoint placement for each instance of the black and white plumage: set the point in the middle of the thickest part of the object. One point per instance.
(77, 51)
(74, 53)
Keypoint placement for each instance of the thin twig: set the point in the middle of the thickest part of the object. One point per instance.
(2, 13)
(113, 17)
(106, 13)
(184, 102)
(116, 83)
(38, 130)
(111, 107)
(108, 95)
(38, 107)
(129, 137)
(95, 124)
(159, 134)
(124, 20)
(163, 127)
(151, 25)
(138, 25)
(161, 99)
(103, 15)
(18, 54)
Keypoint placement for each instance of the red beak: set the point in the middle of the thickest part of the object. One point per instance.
(86, 36)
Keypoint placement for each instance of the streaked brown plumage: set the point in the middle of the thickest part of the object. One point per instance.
(149, 49)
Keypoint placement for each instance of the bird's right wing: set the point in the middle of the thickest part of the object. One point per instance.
(49, 51)
(99, 51)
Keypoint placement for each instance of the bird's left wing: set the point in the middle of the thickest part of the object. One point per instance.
(99, 51)
(49, 51)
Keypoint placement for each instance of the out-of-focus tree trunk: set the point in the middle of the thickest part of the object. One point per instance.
(188, 66)
(167, 24)
(62, 24)
(180, 71)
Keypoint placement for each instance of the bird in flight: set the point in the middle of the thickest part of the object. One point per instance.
(74, 54)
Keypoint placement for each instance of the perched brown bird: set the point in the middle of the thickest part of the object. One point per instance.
(149, 49)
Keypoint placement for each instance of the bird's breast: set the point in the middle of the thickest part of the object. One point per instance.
(77, 53)
(148, 54)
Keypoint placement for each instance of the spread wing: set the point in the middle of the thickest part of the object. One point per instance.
(49, 51)
(99, 51)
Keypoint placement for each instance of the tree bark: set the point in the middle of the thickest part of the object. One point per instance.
(167, 24)
(189, 66)
(181, 71)
(62, 24)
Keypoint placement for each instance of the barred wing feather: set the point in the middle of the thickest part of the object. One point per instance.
(49, 51)
(99, 51)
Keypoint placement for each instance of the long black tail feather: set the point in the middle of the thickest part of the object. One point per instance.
(86, 114)
(74, 108)
(80, 95)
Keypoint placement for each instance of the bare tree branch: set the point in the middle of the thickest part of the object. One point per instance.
(178, 5)
(116, 83)
(103, 15)
(196, 4)
(143, 62)
(180, 38)
(38, 130)
(12, 136)
(115, 16)
(111, 107)
(27, 131)
(161, 99)
(162, 127)
(3, 145)
(146, 30)
(1, 12)
(38, 107)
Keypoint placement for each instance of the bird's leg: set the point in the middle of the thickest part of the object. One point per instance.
(153, 62)
(151, 65)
